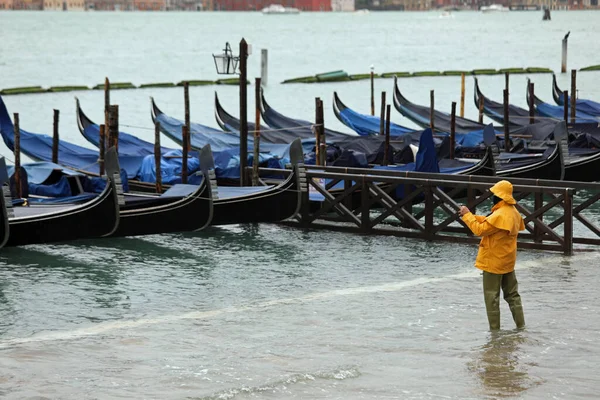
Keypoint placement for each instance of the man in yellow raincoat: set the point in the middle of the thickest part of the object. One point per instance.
(498, 253)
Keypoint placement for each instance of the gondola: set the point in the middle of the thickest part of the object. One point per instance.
(517, 116)
(219, 141)
(38, 147)
(201, 135)
(420, 115)
(558, 112)
(128, 144)
(177, 210)
(587, 106)
(549, 165)
(365, 125)
(580, 165)
(268, 203)
(426, 161)
(235, 205)
(229, 123)
(300, 128)
(99, 217)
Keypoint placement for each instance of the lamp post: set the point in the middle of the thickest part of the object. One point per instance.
(227, 64)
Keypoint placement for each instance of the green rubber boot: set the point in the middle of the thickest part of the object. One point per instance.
(491, 294)
(510, 287)
(494, 320)
(518, 316)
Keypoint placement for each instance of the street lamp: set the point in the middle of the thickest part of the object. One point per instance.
(226, 63)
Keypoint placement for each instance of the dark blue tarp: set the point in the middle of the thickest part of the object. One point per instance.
(58, 189)
(586, 106)
(38, 172)
(369, 125)
(425, 160)
(128, 144)
(170, 168)
(39, 148)
(558, 112)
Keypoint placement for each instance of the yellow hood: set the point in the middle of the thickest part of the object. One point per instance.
(504, 190)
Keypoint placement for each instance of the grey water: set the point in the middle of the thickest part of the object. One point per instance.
(266, 311)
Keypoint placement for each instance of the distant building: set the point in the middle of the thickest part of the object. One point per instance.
(149, 5)
(342, 5)
(6, 4)
(25, 5)
(188, 5)
(110, 5)
(63, 5)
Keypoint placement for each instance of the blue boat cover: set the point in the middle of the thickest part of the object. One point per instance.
(425, 160)
(369, 125)
(586, 106)
(39, 148)
(38, 172)
(170, 168)
(128, 144)
(558, 112)
(58, 189)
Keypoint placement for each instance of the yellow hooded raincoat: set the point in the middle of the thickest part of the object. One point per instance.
(498, 247)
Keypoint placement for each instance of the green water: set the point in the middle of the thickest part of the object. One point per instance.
(264, 311)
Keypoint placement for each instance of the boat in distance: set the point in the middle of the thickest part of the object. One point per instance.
(494, 8)
(279, 9)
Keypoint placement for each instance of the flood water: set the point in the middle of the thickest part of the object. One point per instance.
(267, 311)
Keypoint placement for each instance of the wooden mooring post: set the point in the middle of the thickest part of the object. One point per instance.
(186, 102)
(372, 91)
(462, 95)
(101, 146)
(243, 111)
(318, 114)
(452, 130)
(563, 64)
(429, 211)
(382, 115)
(531, 103)
(573, 99)
(386, 147)
(432, 111)
(184, 159)
(106, 102)
(113, 126)
(320, 121)
(55, 137)
(17, 154)
(157, 157)
(566, 106)
(256, 153)
(506, 122)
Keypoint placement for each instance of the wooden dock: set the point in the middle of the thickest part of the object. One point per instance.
(425, 206)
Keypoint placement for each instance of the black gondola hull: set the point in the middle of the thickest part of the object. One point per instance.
(272, 205)
(583, 169)
(551, 168)
(97, 218)
(167, 215)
